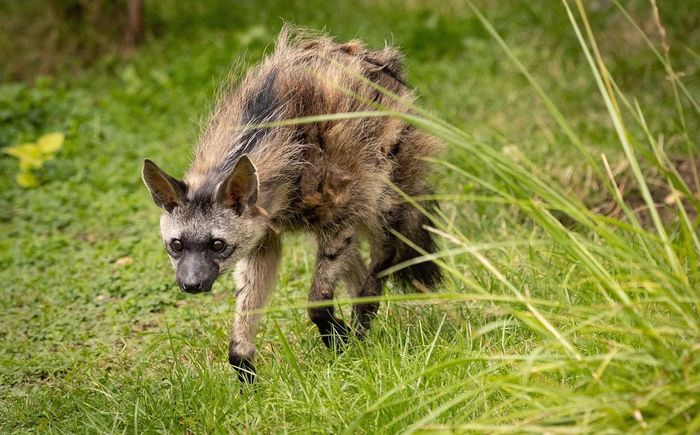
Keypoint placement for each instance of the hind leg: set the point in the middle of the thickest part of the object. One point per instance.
(335, 258)
(388, 250)
(411, 224)
(382, 257)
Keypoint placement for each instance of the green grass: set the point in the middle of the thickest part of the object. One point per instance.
(553, 318)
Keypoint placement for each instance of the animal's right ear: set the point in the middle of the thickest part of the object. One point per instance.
(167, 192)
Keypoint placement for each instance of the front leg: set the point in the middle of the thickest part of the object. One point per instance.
(255, 279)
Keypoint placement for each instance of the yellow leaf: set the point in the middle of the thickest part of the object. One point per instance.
(50, 142)
(29, 155)
(23, 150)
(26, 179)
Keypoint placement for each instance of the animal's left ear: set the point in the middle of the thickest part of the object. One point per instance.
(240, 190)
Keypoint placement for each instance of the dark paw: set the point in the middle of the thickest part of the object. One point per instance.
(244, 367)
(335, 335)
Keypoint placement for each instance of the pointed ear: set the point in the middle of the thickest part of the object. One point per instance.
(167, 192)
(240, 189)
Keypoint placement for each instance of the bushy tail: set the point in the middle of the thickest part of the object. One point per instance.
(426, 274)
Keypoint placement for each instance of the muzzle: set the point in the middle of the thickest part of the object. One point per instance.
(196, 272)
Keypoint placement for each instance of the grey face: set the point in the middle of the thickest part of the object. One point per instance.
(205, 242)
(206, 235)
(196, 248)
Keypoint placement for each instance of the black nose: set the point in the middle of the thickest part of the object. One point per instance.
(195, 286)
(191, 287)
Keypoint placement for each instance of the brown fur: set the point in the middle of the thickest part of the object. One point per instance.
(329, 177)
(339, 167)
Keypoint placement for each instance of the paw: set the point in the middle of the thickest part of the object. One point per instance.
(335, 335)
(244, 366)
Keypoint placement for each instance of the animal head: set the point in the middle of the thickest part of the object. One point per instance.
(206, 232)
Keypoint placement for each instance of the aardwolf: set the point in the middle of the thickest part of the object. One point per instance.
(254, 177)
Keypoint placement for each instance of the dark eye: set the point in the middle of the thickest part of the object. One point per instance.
(218, 245)
(176, 245)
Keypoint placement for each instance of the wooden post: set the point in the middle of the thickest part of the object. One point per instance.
(134, 26)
